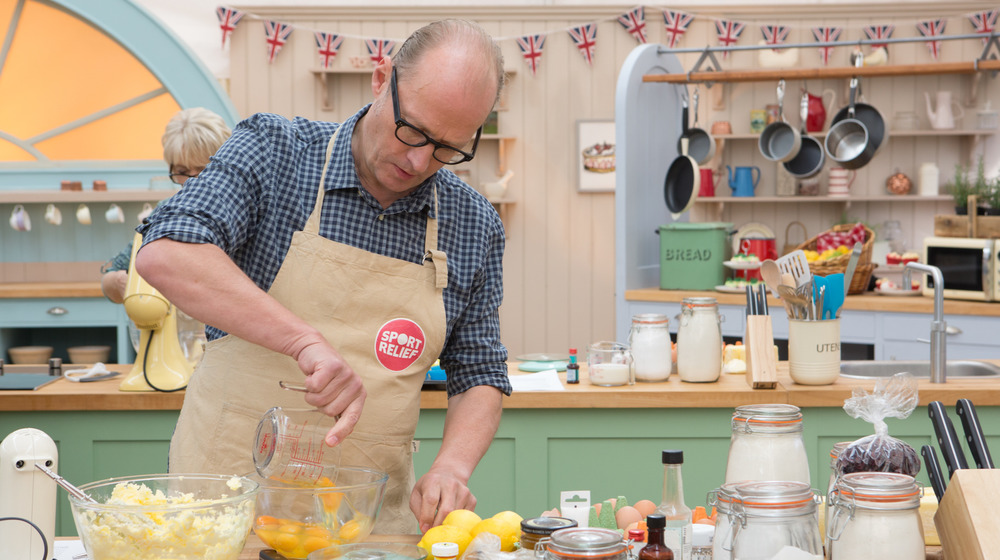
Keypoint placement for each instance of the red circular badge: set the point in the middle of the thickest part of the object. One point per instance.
(399, 343)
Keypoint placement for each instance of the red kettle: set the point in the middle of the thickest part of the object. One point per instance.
(816, 116)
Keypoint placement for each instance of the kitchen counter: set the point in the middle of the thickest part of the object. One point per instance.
(50, 290)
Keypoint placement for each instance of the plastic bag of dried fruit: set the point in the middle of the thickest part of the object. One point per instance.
(895, 397)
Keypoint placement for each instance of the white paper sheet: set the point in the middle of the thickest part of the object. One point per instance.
(69, 550)
(547, 380)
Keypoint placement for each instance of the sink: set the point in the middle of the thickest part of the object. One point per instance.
(877, 370)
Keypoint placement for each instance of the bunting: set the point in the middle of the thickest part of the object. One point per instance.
(585, 39)
(379, 48)
(826, 35)
(228, 19)
(984, 22)
(531, 49)
(774, 34)
(876, 32)
(729, 32)
(932, 28)
(676, 25)
(327, 44)
(277, 35)
(634, 21)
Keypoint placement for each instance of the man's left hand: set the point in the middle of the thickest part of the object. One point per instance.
(437, 494)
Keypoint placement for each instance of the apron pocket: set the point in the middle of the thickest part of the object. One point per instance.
(232, 449)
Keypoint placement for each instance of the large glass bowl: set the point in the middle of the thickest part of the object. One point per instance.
(296, 519)
(175, 516)
(370, 551)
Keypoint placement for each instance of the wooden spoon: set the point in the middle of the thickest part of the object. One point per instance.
(771, 275)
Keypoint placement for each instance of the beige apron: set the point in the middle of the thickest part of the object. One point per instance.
(386, 318)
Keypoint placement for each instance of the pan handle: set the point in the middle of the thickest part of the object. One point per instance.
(781, 99)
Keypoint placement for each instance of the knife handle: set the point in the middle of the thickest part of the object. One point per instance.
(947, 440)
(974, 434)
(933, 471)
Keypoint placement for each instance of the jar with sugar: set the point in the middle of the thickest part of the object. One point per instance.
(876, 515)
(649, 340)
(775, 519)
(767, 444)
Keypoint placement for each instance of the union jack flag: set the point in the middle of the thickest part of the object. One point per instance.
(676, 24)
(826, 35)
(531, 49)
(379, 48)
(932, 28)
(634, 21)
(328, 44)
(875, 32)
(729, 32)
(984, 22)
(228, 18)
(774, 34)
(277, 34)
(585, 39)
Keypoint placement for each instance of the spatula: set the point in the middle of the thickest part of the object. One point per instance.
(834, 298)
(795, 263)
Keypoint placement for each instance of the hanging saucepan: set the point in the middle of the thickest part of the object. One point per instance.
(681, 185)
(810, 158)
(847, 142)
(780, 141)
(878, 132)
(701, 144)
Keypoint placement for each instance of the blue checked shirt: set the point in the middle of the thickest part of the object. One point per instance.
(260, 188)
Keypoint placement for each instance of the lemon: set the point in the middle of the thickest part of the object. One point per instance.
(462, 518)
(509, 517)
(445, 533)
(508, 532)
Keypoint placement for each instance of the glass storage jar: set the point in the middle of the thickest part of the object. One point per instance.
(699, 340)
(876, 515)
(582, 543)
(767, 444)
(834, 475)
(649, 340)
(772, 518)
(535, 529)
(722, 500)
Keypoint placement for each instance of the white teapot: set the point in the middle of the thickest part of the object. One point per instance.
(942, 118)
(495, 191)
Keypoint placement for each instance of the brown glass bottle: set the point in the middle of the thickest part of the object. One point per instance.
(655, 549)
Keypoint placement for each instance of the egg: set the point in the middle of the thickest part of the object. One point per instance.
(627, 515)
(645, 507)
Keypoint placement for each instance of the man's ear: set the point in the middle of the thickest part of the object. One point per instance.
(381, 76)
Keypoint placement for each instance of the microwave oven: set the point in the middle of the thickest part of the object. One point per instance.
(970, 267)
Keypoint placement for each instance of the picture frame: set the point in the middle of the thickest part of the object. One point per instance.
(595, 156)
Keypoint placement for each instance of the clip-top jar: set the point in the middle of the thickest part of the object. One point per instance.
(699, 340)
(876, 515)
(582, 543)
(649, 340)
(772, 516)
(722, 500)
(834, 476)
(767, 444)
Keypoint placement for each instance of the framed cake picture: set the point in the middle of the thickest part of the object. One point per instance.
(595, 155)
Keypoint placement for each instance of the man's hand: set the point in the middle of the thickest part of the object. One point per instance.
(437, 494)
(333, 387)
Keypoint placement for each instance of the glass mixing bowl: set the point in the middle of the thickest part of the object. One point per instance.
(296, 519)
(176, 516)
(370, 551)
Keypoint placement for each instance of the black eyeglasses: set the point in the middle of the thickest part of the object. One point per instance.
(179, 178)
(414, 137)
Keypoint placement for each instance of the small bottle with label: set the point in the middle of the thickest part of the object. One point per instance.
(678, 532)
(572, 368)
(655, 548)
(444, 551)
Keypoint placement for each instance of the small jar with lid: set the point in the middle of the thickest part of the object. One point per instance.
(767, 444)
(649, 340)
(773, 516)
(444, 551)
(699, 340)
(876, 515)
(583, 543)
(535, 529)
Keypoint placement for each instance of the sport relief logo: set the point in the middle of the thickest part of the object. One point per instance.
(399, 343)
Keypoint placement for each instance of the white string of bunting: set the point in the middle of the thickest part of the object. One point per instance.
(676, 23)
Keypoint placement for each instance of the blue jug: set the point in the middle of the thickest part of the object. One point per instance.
(744, 182)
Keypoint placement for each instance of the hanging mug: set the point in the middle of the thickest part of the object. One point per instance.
(147, 209)
(708, 183)
(114, 214)
(19, 219)
(83, 214)
(53, 215)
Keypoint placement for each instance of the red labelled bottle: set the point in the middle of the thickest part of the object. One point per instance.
(655, 548)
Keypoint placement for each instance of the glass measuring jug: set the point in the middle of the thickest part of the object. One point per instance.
(290, 445)
(610, 364)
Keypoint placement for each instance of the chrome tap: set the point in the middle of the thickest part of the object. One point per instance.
(938, 326)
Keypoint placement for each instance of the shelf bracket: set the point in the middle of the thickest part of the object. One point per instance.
(991, 43)
(324, 91)
(502, 156)
(714, 65)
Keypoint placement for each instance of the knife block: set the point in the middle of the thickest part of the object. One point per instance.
(966, 520)
(762, 369)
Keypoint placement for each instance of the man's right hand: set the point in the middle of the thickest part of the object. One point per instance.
(332, 386)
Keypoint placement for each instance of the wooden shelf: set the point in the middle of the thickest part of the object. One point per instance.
(321, 75)
(916, 133)
(774, 74)
(801, 198)
(30, 197)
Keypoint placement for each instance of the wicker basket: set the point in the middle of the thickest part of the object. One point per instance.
(865, 267)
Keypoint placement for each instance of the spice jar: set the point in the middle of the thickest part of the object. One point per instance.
(649, 340)
(771, 517)
(699, 340)
(535, 529)
(767, 444)
(876, 515)
(582, 543)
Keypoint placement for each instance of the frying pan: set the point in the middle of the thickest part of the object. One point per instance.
(872, 118)
(848, 142)
(810, 158)
(780, 141)
(682, 182)
(701, 144)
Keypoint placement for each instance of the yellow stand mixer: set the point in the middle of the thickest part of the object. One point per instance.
(160, 364)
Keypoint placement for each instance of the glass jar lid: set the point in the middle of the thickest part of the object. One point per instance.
(546, 525)
(722, 497)
(699, 302)
(767, 417)
(774, 498)
(586, 541)
(838, 448)
(650, 319)
(875, 489)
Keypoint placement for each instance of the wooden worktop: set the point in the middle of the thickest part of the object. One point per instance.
(728, 392)
(10, 290)
(868, 301)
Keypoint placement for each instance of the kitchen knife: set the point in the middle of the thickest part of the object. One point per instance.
(933, 471)
(947, 439)
(974, 434)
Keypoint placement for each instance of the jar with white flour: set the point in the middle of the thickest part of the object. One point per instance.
(775, 520)
(875, 515)
(767, 444)
(699, 340)
(649, 340)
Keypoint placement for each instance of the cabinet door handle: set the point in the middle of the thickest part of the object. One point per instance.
(57, 311)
